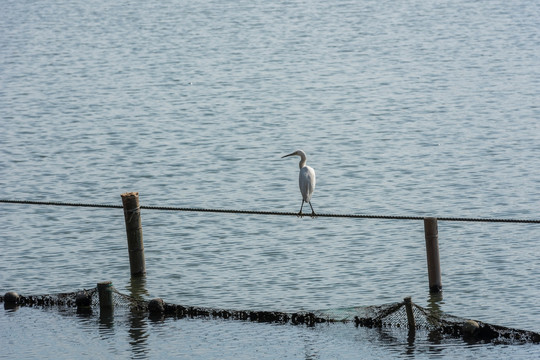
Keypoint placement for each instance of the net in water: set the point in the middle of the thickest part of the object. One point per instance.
(392, 315)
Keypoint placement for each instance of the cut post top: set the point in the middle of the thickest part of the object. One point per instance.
(130, 198)
(132, 193)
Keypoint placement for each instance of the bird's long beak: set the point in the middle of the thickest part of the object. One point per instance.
(291, 154)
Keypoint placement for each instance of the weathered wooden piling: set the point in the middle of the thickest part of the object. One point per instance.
(432, 252)
(105, 292)
(410, 313)
(132, 215)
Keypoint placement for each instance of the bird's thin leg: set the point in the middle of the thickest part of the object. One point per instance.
(300, 213)
(312, 211)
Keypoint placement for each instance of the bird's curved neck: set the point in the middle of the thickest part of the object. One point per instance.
(302, 162)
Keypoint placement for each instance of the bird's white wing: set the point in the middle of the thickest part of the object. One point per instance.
(306, 182)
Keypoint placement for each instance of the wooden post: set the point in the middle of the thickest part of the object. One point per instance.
(132, 215)
(105, 292)
(410, 314)
(432, 252)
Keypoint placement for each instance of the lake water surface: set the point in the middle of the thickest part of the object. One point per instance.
(409, 108)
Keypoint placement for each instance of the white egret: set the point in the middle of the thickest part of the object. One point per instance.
(306, 180)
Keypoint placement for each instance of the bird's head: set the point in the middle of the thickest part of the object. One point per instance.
(302, 157)
(296, 153)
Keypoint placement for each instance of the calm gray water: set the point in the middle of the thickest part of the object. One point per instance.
(407, 108)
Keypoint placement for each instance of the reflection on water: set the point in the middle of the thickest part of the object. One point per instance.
(138, 334)
(131, 335)
(137, 287)
(434, 303)
(138, 331)
(106, 318)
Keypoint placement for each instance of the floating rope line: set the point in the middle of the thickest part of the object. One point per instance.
(278, 213)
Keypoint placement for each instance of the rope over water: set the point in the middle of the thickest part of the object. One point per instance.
(277, 213)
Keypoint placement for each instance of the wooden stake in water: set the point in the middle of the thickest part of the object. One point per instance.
(132, 215)
(105, 292)
(432, 252)
(410, 314)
